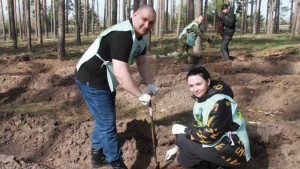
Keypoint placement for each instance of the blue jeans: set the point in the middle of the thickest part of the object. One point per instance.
(102, 106)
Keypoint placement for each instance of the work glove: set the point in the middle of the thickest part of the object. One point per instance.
(171, 153)
(178, 129)
(209, 41)
(144, 98)
(152, 89)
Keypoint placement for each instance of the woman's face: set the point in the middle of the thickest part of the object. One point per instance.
(198, 85)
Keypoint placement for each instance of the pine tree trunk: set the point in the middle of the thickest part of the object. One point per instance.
(92, 13)
(124, 9)
(12, 23)
(258, 17)
(114, 12)
(128, 9)
(67, 16)
(2, 21)
(77, 27)
(296, 19)
(39, 24)
(28, 24)
(255, 17)
(20, 20)
(270, 24)
(251, 17)
(161, 19)
(61, 29)
(108, 12)
(98, 14)
(136, 4)
(198, 10)
(172, 16)
(150, 2)
(215, 16)
(105, 15)
(179, 18)
(45, 18)
(167, 15)
(54, 18)
(205, 16)
(157, 17)
(24, 19)
(277, 16)
(9, 25)
(291, 16)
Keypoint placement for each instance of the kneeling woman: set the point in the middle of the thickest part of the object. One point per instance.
(219, 136)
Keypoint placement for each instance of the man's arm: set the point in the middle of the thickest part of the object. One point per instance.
(144, 69)
(124, 77)
(202, 35)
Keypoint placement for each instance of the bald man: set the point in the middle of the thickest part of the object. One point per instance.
(187, 39)
(105, 65)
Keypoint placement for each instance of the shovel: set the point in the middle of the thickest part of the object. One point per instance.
(153, 134)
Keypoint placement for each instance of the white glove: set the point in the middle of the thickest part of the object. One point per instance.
(178, 129)
(152, 89)
(170, 153)
(144, 98)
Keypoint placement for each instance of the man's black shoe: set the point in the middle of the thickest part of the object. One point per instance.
(119, 164)
(98, 158)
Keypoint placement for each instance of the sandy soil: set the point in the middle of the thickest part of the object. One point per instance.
(267, 91)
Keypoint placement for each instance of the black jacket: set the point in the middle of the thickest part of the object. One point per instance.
(228, 23)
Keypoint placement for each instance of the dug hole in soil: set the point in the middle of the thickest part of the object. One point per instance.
(267, 91)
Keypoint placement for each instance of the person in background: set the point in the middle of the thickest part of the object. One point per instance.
(105, 65)
(228, 21)
(187, 39)
(218, 137)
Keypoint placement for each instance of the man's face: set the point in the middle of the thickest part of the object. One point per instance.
(226, 10)
(200, 19)
(143, 22)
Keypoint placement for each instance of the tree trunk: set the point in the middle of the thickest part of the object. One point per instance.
(161, 19)
(255, 17)
(167, 15)
(67, 16)
(258, 17)
(251, 17)
(12, 23)
(2, 21)
(291, 16)
(148, 48)
(108, 12)
(9, 25)
(54, 18)
(124, 9)
(143, 2)
(105, 14)
(77, 27)
(93, 17)
(36, 22)
(205, 16)
(45, 18)
(16, 17)
(98, 14)
(296, 19)
(85, 18)
(128, 9)
(157, 17)
(172, 15)
(20, 20)
(114, 12)
(39, 24)
(28, 24)
(215, 16)
(267, 15)
(198, 10)
(136, 4)
(24, 19)
(80, 19)
(277, 12)
(270, 24)
(179, 18)
(61, 30)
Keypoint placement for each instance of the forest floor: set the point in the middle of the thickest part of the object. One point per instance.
(44, 122)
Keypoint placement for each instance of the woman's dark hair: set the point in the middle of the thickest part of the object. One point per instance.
(201, 71)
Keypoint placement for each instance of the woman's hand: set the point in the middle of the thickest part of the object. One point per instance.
(171, 153)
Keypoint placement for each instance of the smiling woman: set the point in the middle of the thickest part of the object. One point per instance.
(219, 128)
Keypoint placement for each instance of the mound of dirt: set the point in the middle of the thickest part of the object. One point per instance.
(267, 91)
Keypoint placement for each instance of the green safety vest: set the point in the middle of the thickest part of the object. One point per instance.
(191, 37)
(137, 49)
(201, 112)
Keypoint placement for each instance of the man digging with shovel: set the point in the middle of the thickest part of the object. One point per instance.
(105, 65)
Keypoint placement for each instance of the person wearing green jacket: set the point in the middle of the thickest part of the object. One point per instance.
(187, 39)
(217, 135)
